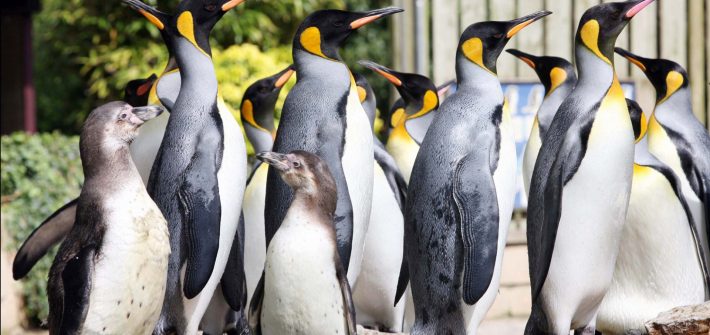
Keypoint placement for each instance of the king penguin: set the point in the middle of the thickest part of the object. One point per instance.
(109, 274)
(460, 198)
(558, 77)
(660, 263)
(677, 138)
(581, 184)
(322, 114)
(412, 121)
(199, 174)
(375, 289)
(305, 287)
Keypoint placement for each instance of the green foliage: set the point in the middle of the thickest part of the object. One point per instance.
(39, 174)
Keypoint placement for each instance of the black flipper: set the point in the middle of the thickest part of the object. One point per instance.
(233, 279)
(474, 193)
(50, 232)
(200, 207)
(348, 306)
(257, 300)
(394, 177)
(76, 280)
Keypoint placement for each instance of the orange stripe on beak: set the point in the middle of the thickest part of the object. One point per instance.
(394, 80)
(528, 61)
(637, 63)
(363, 21)
(154, 20)
(231, 4)
(284, 78)
(519, 27)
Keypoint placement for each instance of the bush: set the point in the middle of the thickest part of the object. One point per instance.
(40, 173)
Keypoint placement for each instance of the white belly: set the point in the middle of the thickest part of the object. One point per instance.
(254, 232)
(532, 148)
(302, 294)
(232, 179)
(129, 277)
(358, 164)
(146, 145)
(505, 181)
(376, 286)
(657, 267)
(594, 206)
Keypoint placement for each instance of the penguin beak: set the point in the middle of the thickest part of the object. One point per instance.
(526, 58)
(153, 15)
(145, 87)
(275, 159)
(634, 59)
(231, 4)
(373, 15)
(146, 113)
(445, 87)
(637, 6)
(283, 77)
(520, 23)
(383, 71)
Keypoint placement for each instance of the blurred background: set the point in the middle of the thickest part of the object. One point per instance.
(61, 58)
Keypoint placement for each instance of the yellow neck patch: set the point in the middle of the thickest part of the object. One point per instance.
(429, 102)
(186, 27)
(590, 37)
(674, 80)
(473, 50)
(644, 127)
(310, 40)
(248, 115)
(557, 77)
(361, 93)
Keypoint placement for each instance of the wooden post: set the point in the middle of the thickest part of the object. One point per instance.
(560, 28)
(445, 37)
(504, 11)
(697, 59)
(531, 39)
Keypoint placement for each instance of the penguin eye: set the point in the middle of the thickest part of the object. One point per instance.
(123, 116)
(210, 7)
(498, 36)
(338, 23)
(263, 89)
(296, 164)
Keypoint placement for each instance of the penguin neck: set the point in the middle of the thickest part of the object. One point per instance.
(260, 139)
(197, 73)
(311, 66)
(550, 104)
(317, 203)
(108, 164)
(473, 77)
(676, 112)
(594, 72)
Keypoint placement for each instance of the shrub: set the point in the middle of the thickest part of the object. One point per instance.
(39, 174)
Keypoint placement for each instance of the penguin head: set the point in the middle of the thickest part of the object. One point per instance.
(601, 25)
(137, 91)
(117, 121)
(194, 19)
(481, 43)
(419, 93)
(303, 171)
(638, 119)
(323, 32)
(366, 96)
(552, 71)
(667, 77)
(259, 100)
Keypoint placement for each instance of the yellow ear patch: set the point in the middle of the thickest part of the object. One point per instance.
(557, 77)
(674, 80)
(153, 19)
(428, 103)
(590, 37)
(473, 50)
(186, 27)
(248, 115)
(310, 40)
(361, 93)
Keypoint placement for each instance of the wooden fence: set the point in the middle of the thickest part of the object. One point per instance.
(672, 29)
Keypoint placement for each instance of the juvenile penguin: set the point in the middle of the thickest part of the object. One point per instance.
(302, 260)
(374, 292)
(411, 123)
(109, 274)
(322, 114)
(461, 193)
(581, 183)
(558, 77)
(199, 174)
(660, 264)
(677, 138)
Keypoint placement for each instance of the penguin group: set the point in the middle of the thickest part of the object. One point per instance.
(174, 232)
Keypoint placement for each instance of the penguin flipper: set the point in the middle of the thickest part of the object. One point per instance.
(348, 305)
(50, 232)
(200, 206)
(475, 198)
(233, 279)
(257, 300)
(395, 179)
(76, 282)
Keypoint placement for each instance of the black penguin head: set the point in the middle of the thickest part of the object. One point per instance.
(304, 172)
(481, 43)
(418, 92)
(638, 119)
(137, 91)
(666, 76)
(552, 71)
(323, 32)
(259, 100)
(117, 121)
(194, 19)
(601, 25)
